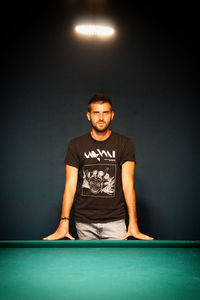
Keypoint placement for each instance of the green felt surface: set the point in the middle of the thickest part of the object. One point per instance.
(99, 272)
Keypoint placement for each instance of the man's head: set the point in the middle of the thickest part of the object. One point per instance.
(100, 112)
(100, 98)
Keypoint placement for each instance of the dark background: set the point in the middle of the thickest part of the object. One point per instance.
(150, 70)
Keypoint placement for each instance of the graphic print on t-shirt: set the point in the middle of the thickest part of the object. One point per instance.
(99, 180)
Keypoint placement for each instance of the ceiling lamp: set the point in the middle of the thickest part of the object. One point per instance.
(95, 30)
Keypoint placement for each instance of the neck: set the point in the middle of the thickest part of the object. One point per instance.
(100, 136)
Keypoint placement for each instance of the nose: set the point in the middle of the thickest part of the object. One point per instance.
(101, 116)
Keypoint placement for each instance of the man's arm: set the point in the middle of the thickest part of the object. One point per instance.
(129, 193)
(68, 198)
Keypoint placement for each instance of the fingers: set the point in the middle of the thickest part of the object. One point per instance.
(53, 236)
(126, 236)
(149, 238)
(139, 236)
(69, 236)
(56, 236)
(144, 237)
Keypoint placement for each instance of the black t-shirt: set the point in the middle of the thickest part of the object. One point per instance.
(99, 195)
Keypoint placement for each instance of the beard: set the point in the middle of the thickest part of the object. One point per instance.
(100, 129)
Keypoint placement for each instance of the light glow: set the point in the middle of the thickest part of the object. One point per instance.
(95, 30)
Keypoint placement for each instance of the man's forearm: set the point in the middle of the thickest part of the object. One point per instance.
(67, 202)
(69, 192)
(68, 198)
(130, 198)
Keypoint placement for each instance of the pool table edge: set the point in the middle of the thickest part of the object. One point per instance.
(100, 244)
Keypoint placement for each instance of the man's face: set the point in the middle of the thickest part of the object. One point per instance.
(100, 116)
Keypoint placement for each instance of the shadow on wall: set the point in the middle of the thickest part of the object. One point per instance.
(144, 217)
(72, 227)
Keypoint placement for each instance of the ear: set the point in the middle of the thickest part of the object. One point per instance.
(112, 115)
(88, 115)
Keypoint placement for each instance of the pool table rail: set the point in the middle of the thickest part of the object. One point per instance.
(100, 244)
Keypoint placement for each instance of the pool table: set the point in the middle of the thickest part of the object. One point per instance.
(77, 270)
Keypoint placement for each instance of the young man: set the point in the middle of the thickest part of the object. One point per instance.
(100, 175)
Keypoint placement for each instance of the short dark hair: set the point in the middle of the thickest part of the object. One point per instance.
(100, 97)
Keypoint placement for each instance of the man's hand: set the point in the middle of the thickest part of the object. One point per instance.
(60, 233)
(137, 234)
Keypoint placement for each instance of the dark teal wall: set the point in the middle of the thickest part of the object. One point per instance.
(150, 71)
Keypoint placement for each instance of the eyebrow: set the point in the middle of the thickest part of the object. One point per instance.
(94, 111)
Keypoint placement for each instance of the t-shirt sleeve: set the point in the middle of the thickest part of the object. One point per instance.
(71, 157)
(128, 153)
